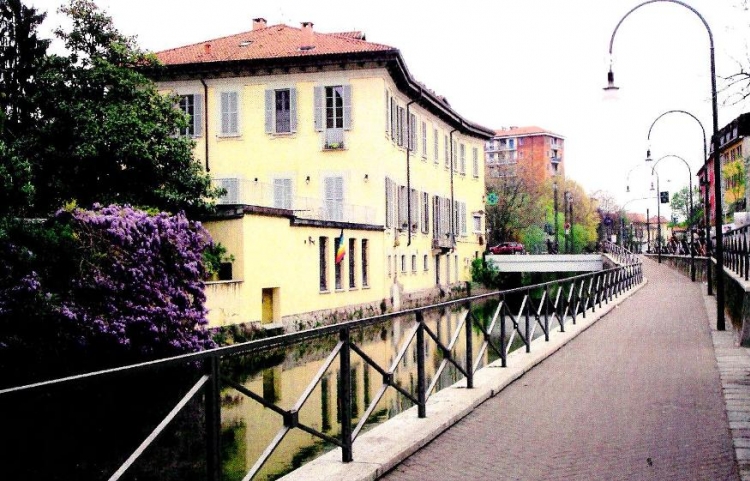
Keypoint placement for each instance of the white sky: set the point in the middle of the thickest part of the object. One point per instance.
(517, 63)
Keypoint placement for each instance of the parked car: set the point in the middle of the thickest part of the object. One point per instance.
(508, 248)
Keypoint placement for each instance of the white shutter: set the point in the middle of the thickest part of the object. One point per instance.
(387, 113)
(198, 115)
(388, 203)
(347, 97)
(270, 106)
(293, 109)
(319, 106)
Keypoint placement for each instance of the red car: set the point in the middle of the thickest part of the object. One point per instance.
(508, 248)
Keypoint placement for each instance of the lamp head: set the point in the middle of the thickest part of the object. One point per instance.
(627, 188)
(611, 87)
(652, 186)
(648, 156)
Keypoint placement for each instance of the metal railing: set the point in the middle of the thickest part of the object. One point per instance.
(620, 254)
(538, 307)
(737, 252)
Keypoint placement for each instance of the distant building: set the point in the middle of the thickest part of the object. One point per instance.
(351, 187)
(734, 140)
(531, 147)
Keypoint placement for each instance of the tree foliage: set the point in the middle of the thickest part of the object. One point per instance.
(93, 288)
(680, 205)
(95, 129)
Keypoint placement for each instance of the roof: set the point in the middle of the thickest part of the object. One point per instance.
(277, 41)
(524, 132)
(264, 49)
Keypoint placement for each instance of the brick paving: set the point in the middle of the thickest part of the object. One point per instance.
(636, 396)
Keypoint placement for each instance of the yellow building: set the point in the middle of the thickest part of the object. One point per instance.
(351, 188)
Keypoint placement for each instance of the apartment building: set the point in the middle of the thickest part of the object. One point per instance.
(533, 148)
(351, 187)
(734, 145)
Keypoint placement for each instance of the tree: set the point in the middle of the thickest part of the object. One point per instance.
(680, 205)
(101, 132)
(733, 174)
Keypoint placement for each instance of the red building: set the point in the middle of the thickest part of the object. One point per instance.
(530, 147)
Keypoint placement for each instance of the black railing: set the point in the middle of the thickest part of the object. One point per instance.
(538, 307)
(737, 252)
(620, 254)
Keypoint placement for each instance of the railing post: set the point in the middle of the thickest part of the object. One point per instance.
(746, 259)
(558, 308)
(345, 396)
(503, 348)
(469, 349)
(212, 406)
(421, 378)
(574, 311)
(546, 313)
(528, 325)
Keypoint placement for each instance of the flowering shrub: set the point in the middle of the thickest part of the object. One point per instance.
(101, 287)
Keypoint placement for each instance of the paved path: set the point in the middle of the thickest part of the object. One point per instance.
(637, 396)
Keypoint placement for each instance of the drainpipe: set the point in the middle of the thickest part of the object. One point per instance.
(205, 120)
(452, 209)
(409, 134)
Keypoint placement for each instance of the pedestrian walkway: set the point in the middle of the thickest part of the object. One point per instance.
(637, 396)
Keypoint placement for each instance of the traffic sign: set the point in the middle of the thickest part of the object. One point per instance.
(664, 197)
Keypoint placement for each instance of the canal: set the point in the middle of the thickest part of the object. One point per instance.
(282, 377)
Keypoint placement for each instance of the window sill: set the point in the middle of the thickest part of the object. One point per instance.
(324, 292)
(328, 148)
(229, 137)
(282, 134)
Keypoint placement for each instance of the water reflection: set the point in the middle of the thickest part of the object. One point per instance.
(249, 427)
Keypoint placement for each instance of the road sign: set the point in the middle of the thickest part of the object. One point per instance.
(664, 197)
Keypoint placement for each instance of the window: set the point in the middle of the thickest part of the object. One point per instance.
(412, 132)
(338, 266)
(402, 208)
(333, 113)
(389, 203)
(454, 156)
(365, 264)
(462, 149)
(389, 266)
(520, 141)
(477, 223)
(403, 263)
(475, 162)
(282, 193)
(192, 105)
(414, 209)
(511, 144)
(334, 198)
(352, 264)
(323, 263)
(426, 263)
(229, 114)
(281, 111)
(400, 125)
(425, 212)
(414, 263)
(436, 145)
(446, 152)
(424, 139)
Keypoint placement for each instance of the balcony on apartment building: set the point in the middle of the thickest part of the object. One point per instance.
(279, 195)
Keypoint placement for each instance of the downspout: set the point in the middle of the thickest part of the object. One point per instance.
(205, 120)
(409, 134)
(452, 212)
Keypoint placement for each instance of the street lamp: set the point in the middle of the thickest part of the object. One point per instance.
(705, 158)
(690, 223)
(658, 213)
(554, 188)
(719, 251)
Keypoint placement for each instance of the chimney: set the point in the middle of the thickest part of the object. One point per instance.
(308, 40)
(259, 23)
(207, 48)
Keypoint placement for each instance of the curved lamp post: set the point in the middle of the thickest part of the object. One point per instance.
(658, 213)
(627, 177)
(707, 206)
(719, 250)
(690, 224)
(622, 209)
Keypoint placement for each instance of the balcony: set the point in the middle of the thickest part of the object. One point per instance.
(249, 192)
(555, 160)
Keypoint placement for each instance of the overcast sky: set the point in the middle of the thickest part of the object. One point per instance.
(518, 63)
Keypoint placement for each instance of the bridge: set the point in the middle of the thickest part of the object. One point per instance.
(606, 375)
(547, 263)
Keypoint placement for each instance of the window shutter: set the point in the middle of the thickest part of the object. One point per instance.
(198, 115)
(319, 108)
(347, 94)
(270, 106)
(393, 119)
(388, 203)
(278, 195)
(293, 110)
(224, 112)
(387, 113)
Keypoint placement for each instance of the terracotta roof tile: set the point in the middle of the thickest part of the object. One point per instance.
(277, 41)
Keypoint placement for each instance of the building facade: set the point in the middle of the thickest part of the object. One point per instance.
(734, 147)
(350, 187)
(533, 148)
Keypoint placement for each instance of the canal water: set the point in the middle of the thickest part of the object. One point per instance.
(248, 428)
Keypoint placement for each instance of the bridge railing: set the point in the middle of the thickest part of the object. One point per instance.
(620, 254)
(737, 252)
(542, 306)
